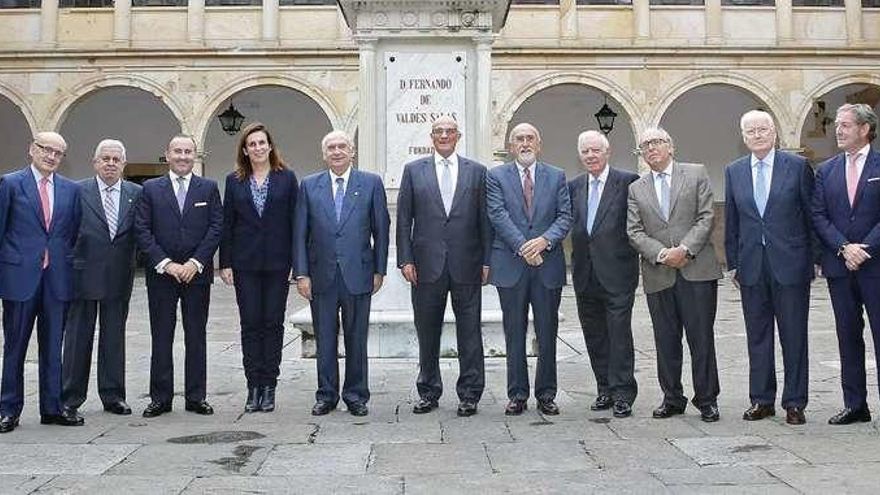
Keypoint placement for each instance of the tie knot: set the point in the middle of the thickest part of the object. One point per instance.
(109, 189)
(527, 171)
(339, 181)
(181, 180)
(44, 181)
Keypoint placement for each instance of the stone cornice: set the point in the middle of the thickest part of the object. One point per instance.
(409, 18)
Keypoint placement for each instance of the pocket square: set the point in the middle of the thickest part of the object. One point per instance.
(203, 203)
(873, 179)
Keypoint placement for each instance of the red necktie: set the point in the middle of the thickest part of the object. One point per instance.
(852, 177)
(47, 213)
(528, 190)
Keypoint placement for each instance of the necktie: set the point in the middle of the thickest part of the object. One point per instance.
(181, 193)
(110, 211)
(528, 190)
(47, 213)
(761, 187)
(592, 204)
(446, 191)
(852, 177)
(338, 196)
(664, 195)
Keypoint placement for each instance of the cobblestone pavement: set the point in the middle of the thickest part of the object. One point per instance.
(393, 451)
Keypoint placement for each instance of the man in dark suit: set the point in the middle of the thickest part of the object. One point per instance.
(669, 221)
(39, 219)
(443, 238)
(846, 215)
(103, 271)
(605, 271)
(178, 226)
(530, 211)
(768, 237)
(340, 243)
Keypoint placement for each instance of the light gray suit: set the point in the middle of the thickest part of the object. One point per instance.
(683, 297)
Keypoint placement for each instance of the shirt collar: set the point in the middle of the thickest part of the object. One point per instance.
(667, 170)
(453, 159)
(603, 177)
(103, 185)
(864, 151)
(344, 176)
(174, 176)
(522, 168)
(38, 176)
(769, 160)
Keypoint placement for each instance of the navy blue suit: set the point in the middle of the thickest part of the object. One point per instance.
(259, 249)
(520, 285)
(449, 252)
(852, 293)
(605, 272)
(163, 231)
(341, 258)
(28, 290)
(773, 257)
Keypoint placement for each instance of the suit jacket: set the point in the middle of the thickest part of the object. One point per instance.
(429, 238)
(838, 223)
(254, 242)
(512, 226)
(163, 231)
(104, 267)
(691, 217)
(606, 251)
(24, 237)
(786, 229)
(358, 243)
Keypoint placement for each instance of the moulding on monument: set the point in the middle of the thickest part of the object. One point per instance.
(408, 18)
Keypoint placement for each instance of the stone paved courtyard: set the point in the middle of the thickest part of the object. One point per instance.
(393, 451)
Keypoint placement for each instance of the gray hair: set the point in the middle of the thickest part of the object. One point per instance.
(109, 143)
(521, 126)
(336, 134)
(756, 115)
(661, 131)
(864, 115)
(586, 134)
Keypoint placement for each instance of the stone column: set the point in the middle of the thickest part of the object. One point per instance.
(270, 20)
(483, 134)
(714, 26)
(853, 20)
(784, 23)
(195, 20)
(49, 22)
(122, 21)
(367, 118)
(642, 19)
(568, 19)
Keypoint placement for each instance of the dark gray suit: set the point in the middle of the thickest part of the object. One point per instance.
(449, 252)
(605, 272)
(103, 271)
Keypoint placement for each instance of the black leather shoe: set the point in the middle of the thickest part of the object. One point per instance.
(358, 409)
(548, 407)
(118, 407)
(321, 408)
(515, 407)
(795, 415)
(425, 406)
(622, 409)
(759, 411)
(254, 398)
(267, 403)
(601, 403)
(8, 423)
(467, 408)
(849, 416)
(201, 407)
(667, 411)
(709, 413)
(156, 409)
(68, 417)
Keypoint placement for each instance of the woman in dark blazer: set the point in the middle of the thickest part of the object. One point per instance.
(256, 256)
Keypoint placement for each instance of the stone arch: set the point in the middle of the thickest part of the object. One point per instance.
(214, 101)
(83, 88)
(18, 99)
(763, 93)
(544, 81)
(824, 87)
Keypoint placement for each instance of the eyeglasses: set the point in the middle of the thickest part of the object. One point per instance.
(444, 131)
(48, 150)
(757, 131)
(652, 142)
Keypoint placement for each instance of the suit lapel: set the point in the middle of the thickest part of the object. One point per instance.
(324, 190)
(429, 175)
(779, 176)
(352, 195)
(170, 198)
(464, 177)
(126, 200)
(612, 183)
(678, 180)
(651, 191)
(92, 197)
(869, 170)
(581, 200)
(514, 179)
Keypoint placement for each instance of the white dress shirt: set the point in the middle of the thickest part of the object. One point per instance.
(453, 168)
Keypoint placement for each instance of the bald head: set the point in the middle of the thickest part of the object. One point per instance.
(444, 135)
(46, 152)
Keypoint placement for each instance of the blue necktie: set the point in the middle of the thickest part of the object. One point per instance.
(761, 187)
(592, 204)
(181, 193)
(337, 198)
